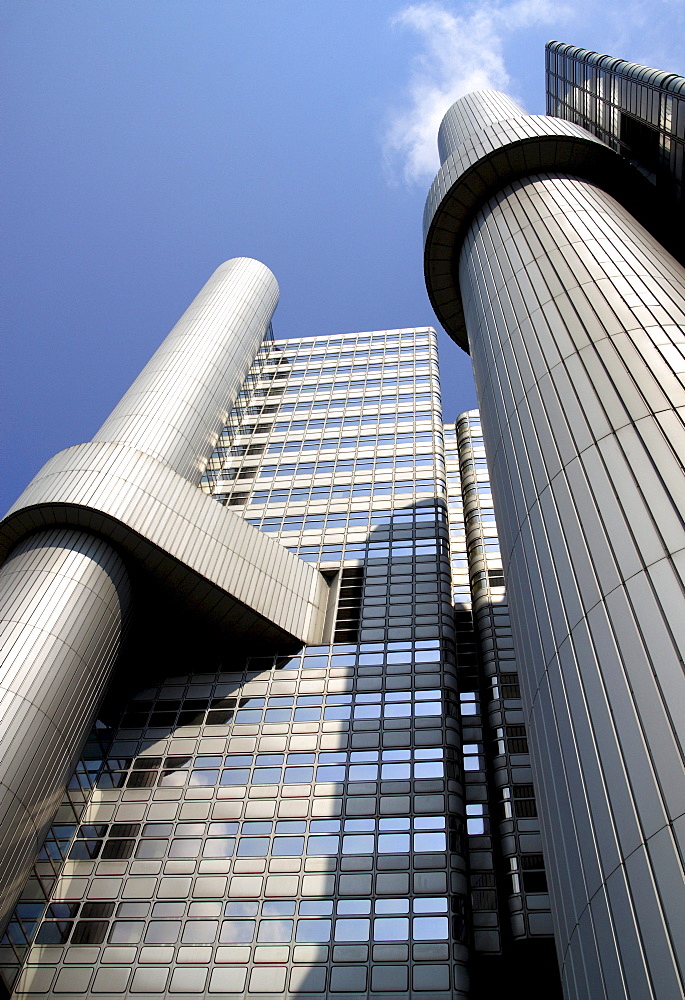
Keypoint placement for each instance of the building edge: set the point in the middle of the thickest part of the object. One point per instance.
(503, 151)
(63, 615)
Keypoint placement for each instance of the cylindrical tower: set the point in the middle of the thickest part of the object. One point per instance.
(575, 319)
(64, 596)
(64, 593)
(177, 406)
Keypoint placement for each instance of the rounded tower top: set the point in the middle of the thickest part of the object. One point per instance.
(176, 408)
(471, 113)
(486, 141)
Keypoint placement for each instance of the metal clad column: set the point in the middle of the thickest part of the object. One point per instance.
(64, 593)
(578, 401)
(63, 600)
(576, 322)
(177, 406)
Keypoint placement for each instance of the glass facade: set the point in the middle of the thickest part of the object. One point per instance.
(637, 111)
(287, 823)
(509, 903)
(297, 823)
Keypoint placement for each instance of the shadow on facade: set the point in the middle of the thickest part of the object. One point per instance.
(180, 692)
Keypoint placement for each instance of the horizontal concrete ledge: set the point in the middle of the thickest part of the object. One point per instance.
(240, 578)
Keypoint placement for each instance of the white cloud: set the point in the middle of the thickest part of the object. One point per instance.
(461, 51)
(649, 32)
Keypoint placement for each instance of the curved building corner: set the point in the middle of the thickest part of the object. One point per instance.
(574, 315)
(128, 505)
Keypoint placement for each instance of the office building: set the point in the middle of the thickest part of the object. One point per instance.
(511, 928)
(574, 316)
(271, 723)
(637, 111)
(249, 817)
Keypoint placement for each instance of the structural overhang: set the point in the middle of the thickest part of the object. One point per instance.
(483, 165)
(238, 577)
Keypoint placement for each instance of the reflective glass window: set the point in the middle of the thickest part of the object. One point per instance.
(313, 931)
(161, 931)
(184, 848)
(275, 930)
(352, 929)
(237, 931)
(430, 928)
(391, 929)
(126, 931)
(199, 931)
(288, 846)
(218, 847)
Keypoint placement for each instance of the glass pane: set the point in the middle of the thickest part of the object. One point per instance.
(391, 929)
(363, 772)
(184, 848)
(237, 931)
(219, 847)
(429, 842)
(222, 829)
(393, 843)
(162, 931)
(252, 847)
(330, 773)
(266, 775)
(245, 909)
(352, 930)
(313, 931)
(200, 931)
(358, 845)
(396, 771)
(322, 846)
(203, 778)
(275, 930)
(278, 908)
(294, 775)
(126, 931)
(288, 846)
(429, 928)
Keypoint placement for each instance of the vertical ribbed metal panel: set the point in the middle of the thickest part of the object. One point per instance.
(63, 599)
(64, 593)
(177, 406)
(471, 113)
(576, 326)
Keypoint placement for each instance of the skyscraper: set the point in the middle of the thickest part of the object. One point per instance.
(574, 315)
(245, 817)
(253, 817)
(263, 731)
(115, 537)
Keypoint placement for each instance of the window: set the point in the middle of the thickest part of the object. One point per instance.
(524, 801)
(349, 606)
(516, 739)
(509, 686)
(533, 872)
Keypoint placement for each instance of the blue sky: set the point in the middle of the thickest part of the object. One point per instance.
(146, 141)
